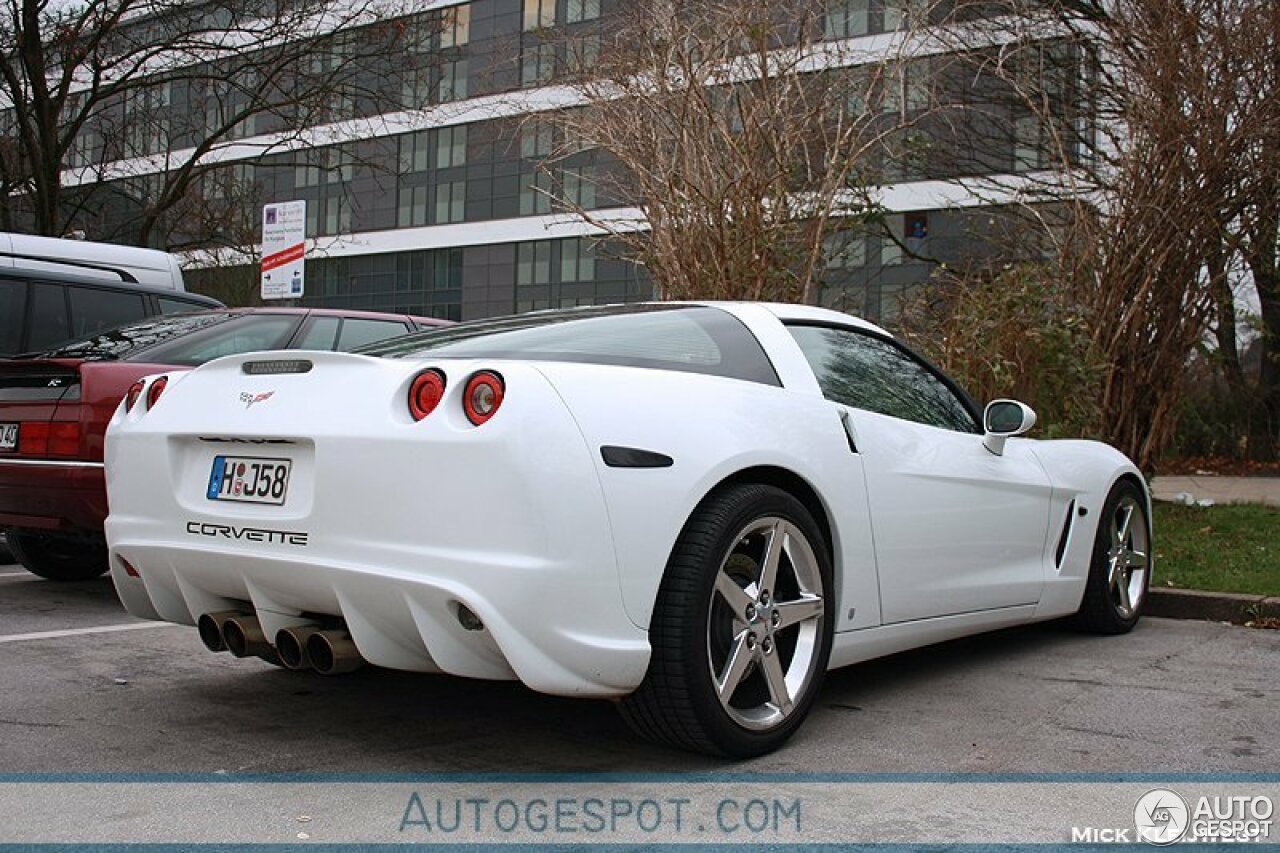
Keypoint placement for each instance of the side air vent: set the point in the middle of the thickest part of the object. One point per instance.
(277, 367)
(1066, 534)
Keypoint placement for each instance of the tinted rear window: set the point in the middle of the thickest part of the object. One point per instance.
(13, 313)
(134, 339)
(688, 338)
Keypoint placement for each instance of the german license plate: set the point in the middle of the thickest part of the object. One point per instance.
(249, 479)
(8, 436)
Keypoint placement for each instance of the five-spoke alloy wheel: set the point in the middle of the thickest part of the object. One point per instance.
(1120, 572)
(741, 633)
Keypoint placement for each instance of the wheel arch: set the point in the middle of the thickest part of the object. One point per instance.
(800, 489)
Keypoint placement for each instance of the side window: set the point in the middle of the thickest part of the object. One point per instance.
(321, 334)
(93, 310)
(49, 324)
(865, 372)
(169, 305)
(13, 312)
(357, 333)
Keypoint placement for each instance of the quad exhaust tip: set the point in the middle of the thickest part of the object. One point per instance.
(291, 646)
(333, 652)
(210, 627)
(244, 638)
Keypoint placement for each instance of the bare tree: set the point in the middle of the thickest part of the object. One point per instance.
(752, 147)
(119, 109)
(1146, 118)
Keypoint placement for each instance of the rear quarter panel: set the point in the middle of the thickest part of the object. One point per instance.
(714, 428)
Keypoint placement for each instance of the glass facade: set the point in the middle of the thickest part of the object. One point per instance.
(492, 169)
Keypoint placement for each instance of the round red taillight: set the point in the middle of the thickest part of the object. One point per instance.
(425, 393)
(154, 392)
(135, 391)
(482, 396)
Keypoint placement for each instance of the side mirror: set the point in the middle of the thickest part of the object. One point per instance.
(1003, 419)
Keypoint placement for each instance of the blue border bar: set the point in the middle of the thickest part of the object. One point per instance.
(691, 778)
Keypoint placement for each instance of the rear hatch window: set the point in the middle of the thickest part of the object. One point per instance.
(688, 338)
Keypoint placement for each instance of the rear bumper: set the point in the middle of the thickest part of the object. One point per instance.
(54, 495)
(556, 626)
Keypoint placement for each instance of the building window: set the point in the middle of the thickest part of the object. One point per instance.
(416, 88)
(455, 26)
(451, 146)
(414, 149)
(891, 241)
(453, 81)
(535, 195)
(451, 202)
(537, 64)
(845, 250)
(1027, 149)
(847, 18)
(577, 260)
(579, 188)
(576, 11)
(535, 139)
(412, 208)
(539, 14)
(902, 14)
(533, 263)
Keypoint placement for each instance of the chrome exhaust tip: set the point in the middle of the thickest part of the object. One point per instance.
(244, 638)
(291, 646)
(210, 627)
(333, 652)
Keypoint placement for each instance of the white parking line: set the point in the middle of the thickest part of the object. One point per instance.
(76, 632)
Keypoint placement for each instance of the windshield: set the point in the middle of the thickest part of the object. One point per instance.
(689, 338)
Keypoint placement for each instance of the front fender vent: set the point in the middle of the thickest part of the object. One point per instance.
(1065, 536)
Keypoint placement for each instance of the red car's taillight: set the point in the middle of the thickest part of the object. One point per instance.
(425, 393)
(135, 391)
(482, 396)
(45, 438)
(154, 392)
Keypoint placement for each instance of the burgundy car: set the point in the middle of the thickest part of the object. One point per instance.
(54, 409)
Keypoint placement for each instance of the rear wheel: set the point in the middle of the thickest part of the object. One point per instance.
(740, 631)
(59, 558)
(1120, 572)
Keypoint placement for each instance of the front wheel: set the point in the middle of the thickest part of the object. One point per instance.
(1120, 571)
(741, 630)
(58, 558)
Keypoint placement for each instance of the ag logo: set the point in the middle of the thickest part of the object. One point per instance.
(249, 399)
(1161, 817)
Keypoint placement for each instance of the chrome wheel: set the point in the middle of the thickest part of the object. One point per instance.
(764, 623)
(1127, 557)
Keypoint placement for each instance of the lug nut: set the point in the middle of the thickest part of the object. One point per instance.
(774, 618)
(751, 613)
(751, 641)
(767, 645)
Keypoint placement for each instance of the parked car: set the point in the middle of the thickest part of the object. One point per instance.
(695, 509)
(108, 261)
(41, 309)
(54, 409)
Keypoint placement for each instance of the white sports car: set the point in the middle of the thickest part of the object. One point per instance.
(695, 509)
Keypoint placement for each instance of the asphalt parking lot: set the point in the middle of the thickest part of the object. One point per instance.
(1173, 696)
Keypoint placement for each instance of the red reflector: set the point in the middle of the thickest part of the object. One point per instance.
(482, 396)
(135, 391)
(425, 393)
(129, 569)
(154, 392)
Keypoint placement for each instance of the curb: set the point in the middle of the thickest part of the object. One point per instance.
(1210, 606)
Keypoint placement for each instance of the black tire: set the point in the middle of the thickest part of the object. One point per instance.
(1102, 610)
(59, 558)
(6, 556)
(678, 704)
